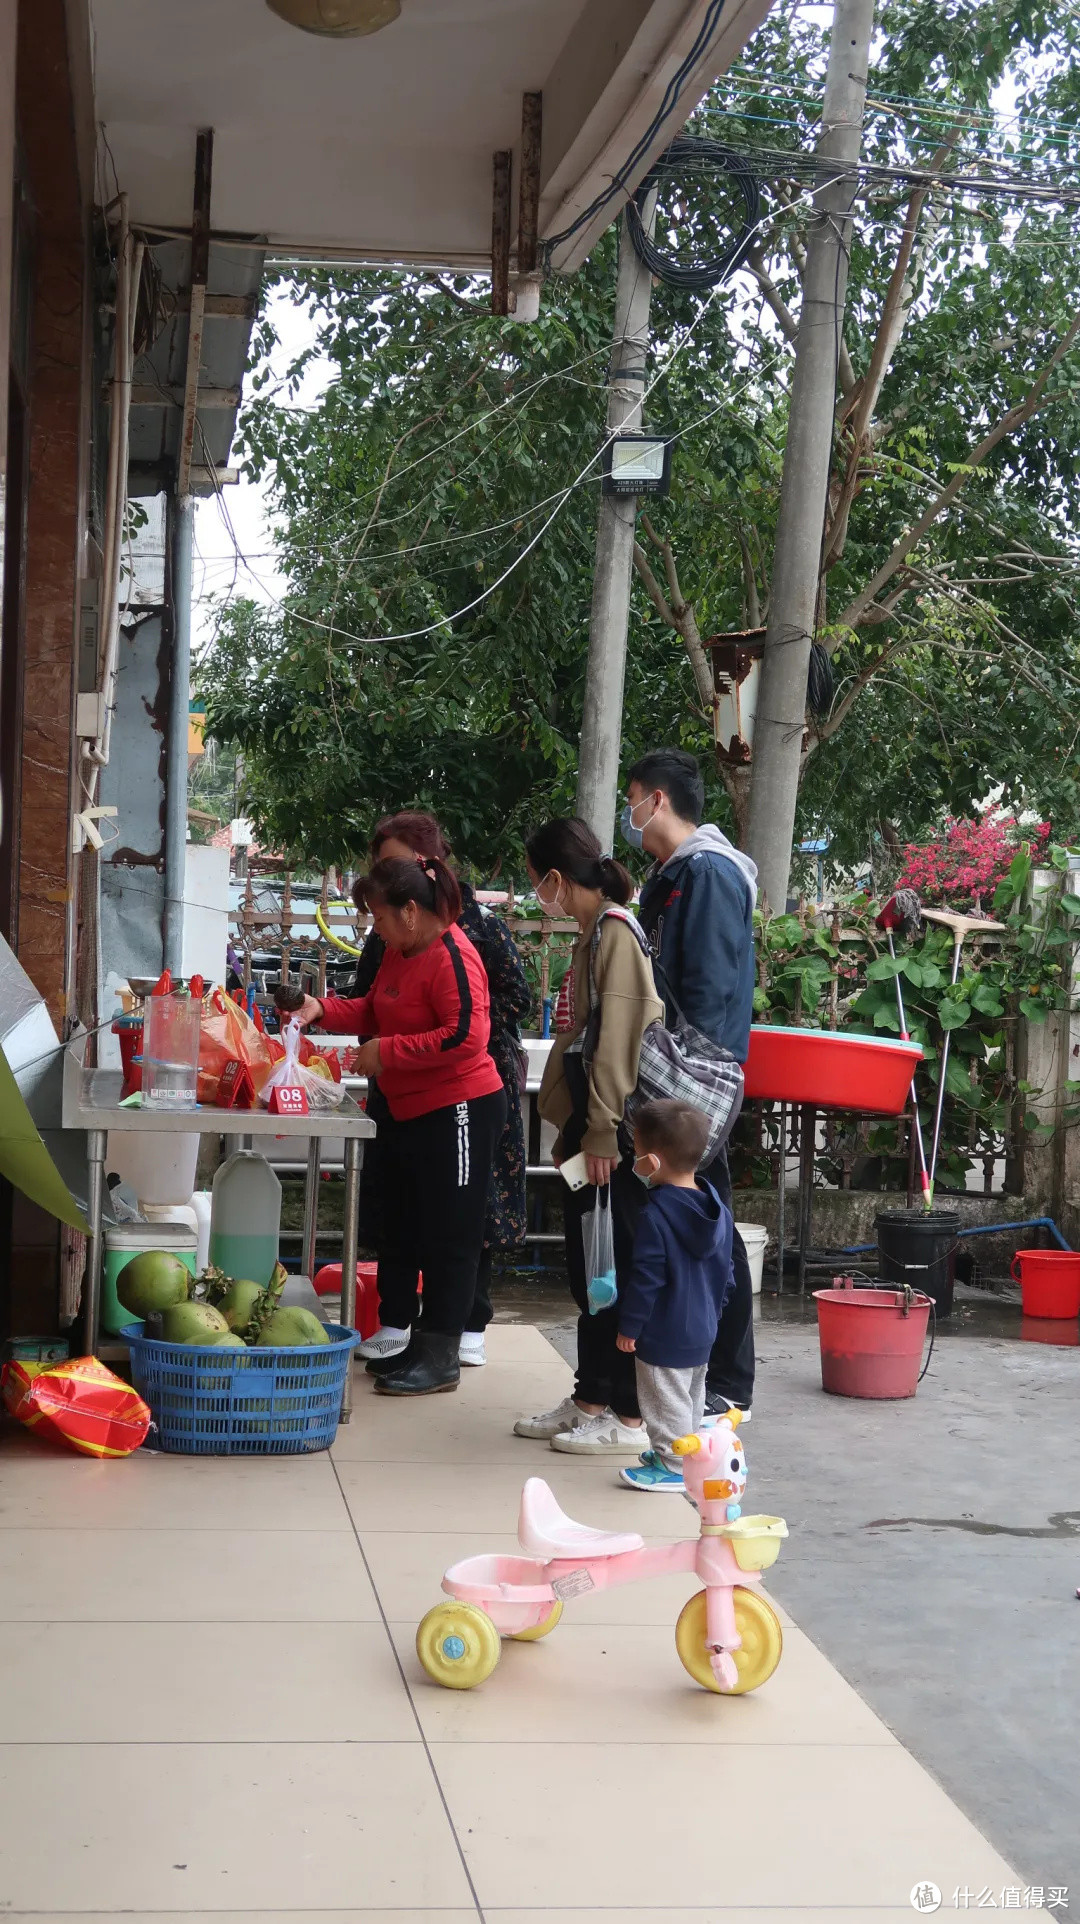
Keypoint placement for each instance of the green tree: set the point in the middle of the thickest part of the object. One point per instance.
(447, 443)
(432, 642)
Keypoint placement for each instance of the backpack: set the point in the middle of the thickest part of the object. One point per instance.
(680, 1063)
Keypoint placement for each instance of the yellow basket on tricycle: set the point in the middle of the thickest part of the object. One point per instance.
(755, 1540)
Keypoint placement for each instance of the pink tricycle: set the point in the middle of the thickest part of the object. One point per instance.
(728, 1636)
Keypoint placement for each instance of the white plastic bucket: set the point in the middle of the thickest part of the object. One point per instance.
(754, 1241)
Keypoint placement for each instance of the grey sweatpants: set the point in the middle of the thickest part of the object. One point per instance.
(672, 1404)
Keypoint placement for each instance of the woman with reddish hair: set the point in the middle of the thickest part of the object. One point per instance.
(425, 1028)
(412, 835)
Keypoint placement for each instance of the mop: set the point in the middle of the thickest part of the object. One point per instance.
(962, 926)
(903, 911)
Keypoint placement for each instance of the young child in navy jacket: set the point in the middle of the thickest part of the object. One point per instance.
(679, 1283)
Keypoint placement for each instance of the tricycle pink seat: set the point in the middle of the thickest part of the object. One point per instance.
(728, 1636)
(544, 1530)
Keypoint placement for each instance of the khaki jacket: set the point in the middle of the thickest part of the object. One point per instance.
(628, 1004)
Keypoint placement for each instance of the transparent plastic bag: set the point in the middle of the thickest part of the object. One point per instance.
(599, 1244)
(321, 1092)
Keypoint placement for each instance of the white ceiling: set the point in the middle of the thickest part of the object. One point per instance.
(381, 146)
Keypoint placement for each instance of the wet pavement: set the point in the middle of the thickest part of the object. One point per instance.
(992, 1312)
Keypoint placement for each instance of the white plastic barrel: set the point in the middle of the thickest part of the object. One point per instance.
(754, 1241)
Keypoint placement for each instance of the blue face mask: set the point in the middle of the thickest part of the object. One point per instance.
(629, 829)
(634, 836)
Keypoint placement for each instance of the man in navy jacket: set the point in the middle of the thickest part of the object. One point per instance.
(697, 909)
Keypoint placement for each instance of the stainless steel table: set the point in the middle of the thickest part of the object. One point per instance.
(92, 1102)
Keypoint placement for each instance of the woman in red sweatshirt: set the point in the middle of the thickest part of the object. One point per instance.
(426, 1027)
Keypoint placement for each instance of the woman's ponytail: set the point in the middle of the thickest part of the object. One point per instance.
(616, 883)
(447, 890)
(569, 845)
(432, 885)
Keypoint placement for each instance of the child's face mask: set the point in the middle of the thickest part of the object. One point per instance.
(645, 1168)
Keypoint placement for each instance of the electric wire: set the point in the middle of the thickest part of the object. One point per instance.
(618, 184)
(446, 621)
(696, 278)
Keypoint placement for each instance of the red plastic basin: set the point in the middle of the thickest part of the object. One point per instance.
(831, 1071)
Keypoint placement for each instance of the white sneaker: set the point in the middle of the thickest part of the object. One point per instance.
(471, 1347)
(542, 1428)
(602, 1435)
(385, 1343)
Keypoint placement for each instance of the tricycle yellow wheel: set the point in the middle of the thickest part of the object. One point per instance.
(541, 1629)
(757, 1656)
(458, 1645)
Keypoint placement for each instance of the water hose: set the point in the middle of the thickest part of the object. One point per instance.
(327, 933)
(982, 1229)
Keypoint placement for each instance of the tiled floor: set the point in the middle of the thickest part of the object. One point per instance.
(210, 1705)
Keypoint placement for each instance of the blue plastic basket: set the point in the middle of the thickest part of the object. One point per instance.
(233, 1402)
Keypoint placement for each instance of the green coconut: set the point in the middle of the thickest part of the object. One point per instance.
(238, 1303)
(221, 1380)
(291, 1328)
(193, 1323)
(154, 1280)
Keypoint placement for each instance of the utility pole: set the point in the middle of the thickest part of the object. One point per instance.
(181, 524)
(182, 527)
(609, 620)
(781, 706)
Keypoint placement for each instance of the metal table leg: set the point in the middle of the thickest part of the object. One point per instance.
(311, 1207)
(96, 1144)
(807, 1145)
(348, 1253)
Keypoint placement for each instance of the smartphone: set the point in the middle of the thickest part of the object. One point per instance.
(575, 1172)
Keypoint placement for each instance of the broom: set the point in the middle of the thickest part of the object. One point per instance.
(903, 911)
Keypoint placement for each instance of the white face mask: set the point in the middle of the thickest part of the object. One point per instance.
(549, 908)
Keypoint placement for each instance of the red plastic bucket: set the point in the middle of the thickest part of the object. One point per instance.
(128, 1030)
(871, 1340)
(1049, 1281)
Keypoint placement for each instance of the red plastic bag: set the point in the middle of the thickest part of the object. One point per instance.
(229, 1035)
(81, 1403)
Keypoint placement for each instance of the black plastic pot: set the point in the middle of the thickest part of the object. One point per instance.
(918, 1247)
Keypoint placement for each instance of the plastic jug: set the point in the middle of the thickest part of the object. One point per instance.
(245, 1217)
(194, 1214)
(170, 1053)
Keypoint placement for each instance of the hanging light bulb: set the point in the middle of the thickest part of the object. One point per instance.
(337, 19)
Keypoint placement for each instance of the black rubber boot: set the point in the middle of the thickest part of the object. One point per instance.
(382, 1365)
(430, 1364)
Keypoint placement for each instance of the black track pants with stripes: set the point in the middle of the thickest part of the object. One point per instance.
(436, 1174)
